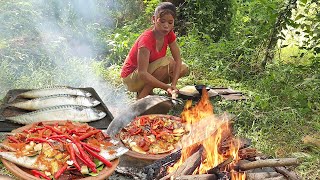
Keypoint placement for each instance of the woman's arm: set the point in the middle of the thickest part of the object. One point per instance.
(143, 63)
(175, 51)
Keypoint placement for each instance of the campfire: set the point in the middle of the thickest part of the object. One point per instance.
(219, 156)
(213, 152)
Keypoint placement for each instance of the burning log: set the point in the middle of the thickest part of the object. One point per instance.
(247, 153)
(243, 142)
(216, 169)
(268, 163)
(187, 167)
(198, 177)
(159, 167)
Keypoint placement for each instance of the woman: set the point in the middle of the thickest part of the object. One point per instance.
(147, 66)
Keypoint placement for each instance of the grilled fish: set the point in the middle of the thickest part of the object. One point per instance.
(58, 113)
(55, 100)
(25, 161)
(119, 151)
(31, 161)
(51, 90)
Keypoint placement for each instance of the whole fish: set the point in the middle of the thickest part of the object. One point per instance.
(116, 148)
(110, 153)
(24, 161)
(58, 113)
(55, 100)
(51, 90)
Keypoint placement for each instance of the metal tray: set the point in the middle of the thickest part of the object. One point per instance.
(7, 125)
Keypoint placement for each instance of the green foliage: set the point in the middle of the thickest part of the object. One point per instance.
(305, 23)
(253, 20)
(211, 18)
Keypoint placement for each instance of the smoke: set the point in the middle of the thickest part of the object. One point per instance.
(56, 42)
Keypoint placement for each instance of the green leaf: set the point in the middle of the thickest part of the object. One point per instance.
(299, 17)
(304, 1)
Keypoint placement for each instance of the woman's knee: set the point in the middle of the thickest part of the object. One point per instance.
(184, 70)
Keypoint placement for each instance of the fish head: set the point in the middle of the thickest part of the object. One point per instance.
(94, 102)
(97, 114)
(84, 93)
(87, 94)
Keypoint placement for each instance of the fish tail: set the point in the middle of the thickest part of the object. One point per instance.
(13, 97)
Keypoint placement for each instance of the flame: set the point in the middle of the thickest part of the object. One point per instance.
(212, 156)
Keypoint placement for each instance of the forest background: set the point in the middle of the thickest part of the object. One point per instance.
(268, 49)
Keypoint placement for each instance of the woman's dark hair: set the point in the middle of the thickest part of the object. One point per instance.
(165, 8)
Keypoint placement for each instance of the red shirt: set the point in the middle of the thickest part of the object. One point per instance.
(147, 40)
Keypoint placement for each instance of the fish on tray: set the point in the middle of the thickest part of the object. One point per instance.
(52, 90)
(57, 150)
(59, 113)
(55, 100)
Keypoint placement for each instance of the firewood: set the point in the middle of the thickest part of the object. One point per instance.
(247, 153)
(276, 178)
(261, 175)
(243, 143)
(130, 173)
(268, 163)
(216, 169)
(286, 173)
(197, 177)
(187, 167)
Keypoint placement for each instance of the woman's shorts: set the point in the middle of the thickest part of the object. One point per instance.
(134, 84)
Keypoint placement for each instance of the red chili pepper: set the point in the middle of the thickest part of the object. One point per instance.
(135, 132)
(98, 156)
(90, 147)
(81, 159)
(58, 137)
(90, 133)
(35, 129)
(143, 121)
(154, 132)
(53, 129)
(158, 122)
(36, 172)
(71, 131)
(58, 173)
(72, 156)
(86, 158)
(13, 139)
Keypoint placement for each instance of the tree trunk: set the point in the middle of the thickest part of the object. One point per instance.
(273, 39)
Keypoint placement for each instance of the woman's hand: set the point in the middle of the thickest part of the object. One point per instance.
(173, 91)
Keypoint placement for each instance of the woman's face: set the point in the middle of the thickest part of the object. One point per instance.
(164, 24)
